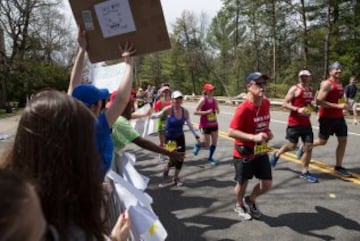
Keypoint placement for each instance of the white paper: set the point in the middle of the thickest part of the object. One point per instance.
(145, 225)
(131, 175)
(115, 17)
(128, 194)
(107, 76)
(144, 126)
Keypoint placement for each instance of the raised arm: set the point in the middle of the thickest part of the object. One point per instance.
(76, 72)
(124, 89)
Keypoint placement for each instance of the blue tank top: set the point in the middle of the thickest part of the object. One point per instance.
(174, 126)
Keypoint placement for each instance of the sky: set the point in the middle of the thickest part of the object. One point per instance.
(172, 9)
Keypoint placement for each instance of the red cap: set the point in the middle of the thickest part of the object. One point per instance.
(208, 87)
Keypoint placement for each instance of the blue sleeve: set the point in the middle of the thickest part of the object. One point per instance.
(104, 142)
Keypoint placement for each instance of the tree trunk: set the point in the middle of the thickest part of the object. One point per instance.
(305, 33)
(327, 40)
(2, 69)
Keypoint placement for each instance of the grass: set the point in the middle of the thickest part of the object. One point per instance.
(3, 113)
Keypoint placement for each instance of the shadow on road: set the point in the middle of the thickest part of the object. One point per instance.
(322, 219)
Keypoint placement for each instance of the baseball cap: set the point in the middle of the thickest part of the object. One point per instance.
(176, 94)
(304, 72)
(254, 76)
(89, 94)
(208, 87)
(335, 65)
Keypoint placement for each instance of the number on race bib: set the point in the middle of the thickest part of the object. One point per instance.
(211, 117)
(260, 148)
(171, 145)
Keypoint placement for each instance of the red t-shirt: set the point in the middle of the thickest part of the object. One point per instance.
(250, 119)
(160, 104)
(335, 95)
(304, 99)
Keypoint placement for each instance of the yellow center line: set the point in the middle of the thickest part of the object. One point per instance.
(314, 164)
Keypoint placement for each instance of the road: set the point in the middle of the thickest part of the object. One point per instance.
(293, 209)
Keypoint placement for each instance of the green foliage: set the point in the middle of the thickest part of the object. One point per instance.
(30, 77)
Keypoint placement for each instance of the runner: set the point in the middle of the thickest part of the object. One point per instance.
(208, 108)
(250, 129)
(175, 116)
(331, 117)
(164, 100)
(299, 101)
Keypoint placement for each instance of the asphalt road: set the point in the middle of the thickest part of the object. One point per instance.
(293, 209)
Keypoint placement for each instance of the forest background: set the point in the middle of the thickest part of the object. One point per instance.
(276, 37)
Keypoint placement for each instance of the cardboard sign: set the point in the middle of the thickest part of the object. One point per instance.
(113, 22)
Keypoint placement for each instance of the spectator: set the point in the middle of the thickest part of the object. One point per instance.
(21, 216)
(94, 97)
(55, 148)
(350, 97)
(123, 133)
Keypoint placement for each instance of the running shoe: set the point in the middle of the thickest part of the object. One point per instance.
(177, 182)
(196, 149)
(242, 212)
(274, 159)
(213, 162)
(300, 152)
(342, 171)
(253, 209)
(308, 177)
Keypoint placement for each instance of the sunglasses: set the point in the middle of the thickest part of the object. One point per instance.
(260, 84)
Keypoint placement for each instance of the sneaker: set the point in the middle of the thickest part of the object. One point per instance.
(242, 212)
(196, 149)
(253, 209)
(166, 171)
(308, 177)
(213, 162)
(274, 159)
(300, 152)
(177, 182)
(161, 157)
(342, 171)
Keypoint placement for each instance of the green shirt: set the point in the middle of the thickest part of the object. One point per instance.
(123, 133)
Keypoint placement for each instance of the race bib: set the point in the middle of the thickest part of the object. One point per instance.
(260, 148)
(211, 117)
(171, 146)
(309, 109)
(163, 123)
(341, 100)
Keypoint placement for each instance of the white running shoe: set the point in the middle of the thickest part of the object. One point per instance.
(242, 212)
